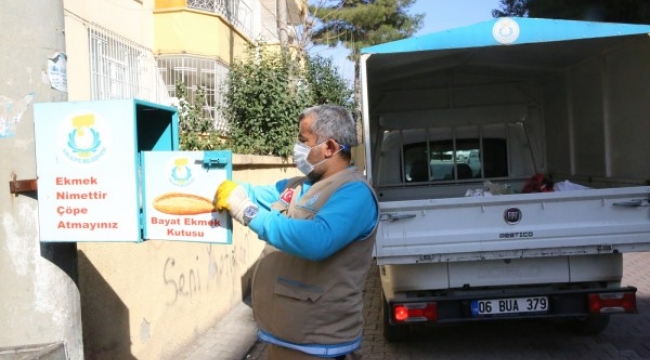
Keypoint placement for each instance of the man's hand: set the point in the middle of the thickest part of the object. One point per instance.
(233, 198)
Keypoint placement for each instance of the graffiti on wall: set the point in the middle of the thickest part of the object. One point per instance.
(11, 112)
(184, 282)
(187, 279)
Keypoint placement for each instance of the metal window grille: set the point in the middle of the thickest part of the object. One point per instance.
(121, 68)
(237, 12)
(197, 73)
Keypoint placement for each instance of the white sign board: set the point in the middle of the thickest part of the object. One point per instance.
(86, 167)
(179, 189)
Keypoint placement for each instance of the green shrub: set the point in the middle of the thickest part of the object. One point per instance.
(264, 94)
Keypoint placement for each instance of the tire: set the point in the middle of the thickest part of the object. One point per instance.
(590, 325)
(393, 333)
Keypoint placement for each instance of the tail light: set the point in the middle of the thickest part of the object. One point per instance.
(619, 302)
(414, 312)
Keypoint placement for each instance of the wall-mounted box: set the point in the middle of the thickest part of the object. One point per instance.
(91, 175)
(179, 189)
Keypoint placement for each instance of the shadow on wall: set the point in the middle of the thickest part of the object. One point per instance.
(63, 255)
(104, 316)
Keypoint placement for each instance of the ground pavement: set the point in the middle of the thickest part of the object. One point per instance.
(627, 337)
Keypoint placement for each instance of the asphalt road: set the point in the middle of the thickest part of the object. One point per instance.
(627, 337)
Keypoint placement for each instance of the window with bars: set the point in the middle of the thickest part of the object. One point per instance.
(121, 68)
(114, 67)
(467, 153)
(197, 73)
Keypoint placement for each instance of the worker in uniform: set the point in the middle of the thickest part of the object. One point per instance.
(320, 228)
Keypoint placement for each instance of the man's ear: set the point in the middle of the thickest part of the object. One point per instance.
(331, 146)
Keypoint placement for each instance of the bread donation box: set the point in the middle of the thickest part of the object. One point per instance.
(179, 189)
(94, 184)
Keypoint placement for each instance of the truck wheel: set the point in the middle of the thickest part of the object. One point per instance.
(393, 333)
(590, 325)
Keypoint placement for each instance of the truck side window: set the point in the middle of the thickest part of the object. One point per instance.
(471, 159)
(495, 158)
(415, 163)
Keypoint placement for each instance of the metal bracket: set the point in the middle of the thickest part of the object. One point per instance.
(22, 186)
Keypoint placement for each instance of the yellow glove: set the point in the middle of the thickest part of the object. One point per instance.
(233, 198)
(223, 192)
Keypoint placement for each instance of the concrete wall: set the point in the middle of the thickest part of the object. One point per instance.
(130, 19)
(143, 301)
(149, 300)
(39, 301)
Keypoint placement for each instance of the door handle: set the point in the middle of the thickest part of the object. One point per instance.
(395, 216)
(633, 203)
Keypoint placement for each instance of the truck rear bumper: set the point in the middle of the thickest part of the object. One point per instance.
(513, 304)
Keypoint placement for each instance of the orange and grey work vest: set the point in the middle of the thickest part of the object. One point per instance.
(313, 306)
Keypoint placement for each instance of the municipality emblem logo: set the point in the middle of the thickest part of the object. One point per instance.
(180, 174)
(505, 31)
(83, 139)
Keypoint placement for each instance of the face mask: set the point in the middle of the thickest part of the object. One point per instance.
(300, 154)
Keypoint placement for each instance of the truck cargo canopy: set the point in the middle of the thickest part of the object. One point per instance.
(521, 48)
(505, 31)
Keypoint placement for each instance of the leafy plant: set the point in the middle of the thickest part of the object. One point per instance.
(267, 91)
(326, 84)
(192, 116)
(196, 129)
(263, 99)
(264, 93)
(203, 141)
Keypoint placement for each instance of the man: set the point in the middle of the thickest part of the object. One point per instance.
(320, 229)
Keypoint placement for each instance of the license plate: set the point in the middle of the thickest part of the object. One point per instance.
(513, 306)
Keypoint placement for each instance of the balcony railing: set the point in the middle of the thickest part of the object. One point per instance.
(238, 12)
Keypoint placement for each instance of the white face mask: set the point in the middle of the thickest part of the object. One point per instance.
(300, 154)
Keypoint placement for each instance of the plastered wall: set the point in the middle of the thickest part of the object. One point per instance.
(149, 300)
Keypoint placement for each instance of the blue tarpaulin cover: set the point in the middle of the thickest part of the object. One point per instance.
(507, 31)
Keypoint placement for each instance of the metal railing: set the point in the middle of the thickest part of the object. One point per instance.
(238, 12)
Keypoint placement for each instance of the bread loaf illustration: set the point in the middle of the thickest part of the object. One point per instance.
(174, 203)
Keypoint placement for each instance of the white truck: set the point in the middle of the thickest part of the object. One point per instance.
(458, 123)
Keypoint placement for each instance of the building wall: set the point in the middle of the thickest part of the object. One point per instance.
(269, 19)
(149, 300)
(152, 299)
(131, 20)
(185, 31)
(78, 59)
(296, 14)
(39, 300)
